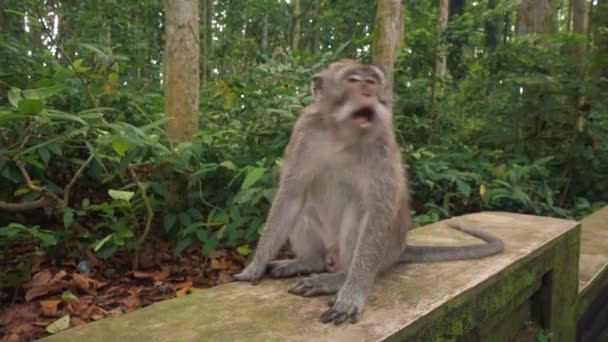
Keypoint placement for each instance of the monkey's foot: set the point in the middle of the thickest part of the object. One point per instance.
(342, 310)
(292, 267)
(252, 273)
(318, 284)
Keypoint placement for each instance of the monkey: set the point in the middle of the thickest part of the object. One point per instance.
(343, 200)
(331, 259)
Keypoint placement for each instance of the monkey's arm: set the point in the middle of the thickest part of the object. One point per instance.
(281, 219)
(286, 206)
(422, 254)
(371, 253)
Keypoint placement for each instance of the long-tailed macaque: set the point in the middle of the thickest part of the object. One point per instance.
(343, 199)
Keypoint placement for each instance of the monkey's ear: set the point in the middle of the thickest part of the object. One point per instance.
(317, 84)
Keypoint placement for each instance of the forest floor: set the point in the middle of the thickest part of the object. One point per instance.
(59, 296)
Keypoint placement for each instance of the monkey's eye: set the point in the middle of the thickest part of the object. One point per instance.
(354, 78)
(371, 80)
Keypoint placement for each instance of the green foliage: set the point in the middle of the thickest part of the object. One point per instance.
(502, 133)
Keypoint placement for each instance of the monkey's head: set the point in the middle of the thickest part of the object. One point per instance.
(352, 96)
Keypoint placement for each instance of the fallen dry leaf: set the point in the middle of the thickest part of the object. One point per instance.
(49, 307)
(83, 283)
(187, 283)
(218, 264)
(69, 263)
(132, 301)
(216, 254)
(58, 277)
(92, 258)
(39, 279)
(41, 323)
(224, 277)
(40, 291)
(185, 291)
(161, 275)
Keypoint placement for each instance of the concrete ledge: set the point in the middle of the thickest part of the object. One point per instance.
(593, 278)
(535, 278)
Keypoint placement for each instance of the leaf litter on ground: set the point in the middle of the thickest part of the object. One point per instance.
(58, 296)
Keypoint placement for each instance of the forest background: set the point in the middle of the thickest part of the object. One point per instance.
(139, 135)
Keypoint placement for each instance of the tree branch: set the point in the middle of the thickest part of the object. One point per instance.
(49, 198)
(40, 189)
(68, 188)
(149, 219)
(25, 206)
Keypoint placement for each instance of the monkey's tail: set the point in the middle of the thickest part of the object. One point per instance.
(423, 254)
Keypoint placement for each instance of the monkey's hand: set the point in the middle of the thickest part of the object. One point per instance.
(252, 273)
(342, 309)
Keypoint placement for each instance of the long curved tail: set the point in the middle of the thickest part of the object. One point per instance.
(423, 254)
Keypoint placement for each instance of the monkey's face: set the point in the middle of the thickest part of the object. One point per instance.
(353, 98)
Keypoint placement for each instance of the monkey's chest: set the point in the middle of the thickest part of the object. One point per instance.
(335, 192)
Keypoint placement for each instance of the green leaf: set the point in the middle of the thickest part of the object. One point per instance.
(184, 218)
(68, 295)
(210, 244)
(253, 176)
(244, 250)
(169, 221)
(42, 93)
(68, 218)
(102, 242)
(45, 155)
(463, 188)
(120, 147)
(45, 236)
(181, 245)
(121, 195)
(229, 165)
(55, 148)
(59, 325)
(14, 96)
(31, 106)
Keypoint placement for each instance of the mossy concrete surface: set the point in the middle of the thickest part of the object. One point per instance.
(408, 298)
(592, 305)
(593, 262)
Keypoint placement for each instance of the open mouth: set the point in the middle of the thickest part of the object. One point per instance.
(363, 117)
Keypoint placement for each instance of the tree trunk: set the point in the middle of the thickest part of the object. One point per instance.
(492, 28)
(440, 57)
(442, 23)
(204, 47)
(457, 41)
(264, 45)
(313, 41)
(388, 35)
(579, 20)
(295, 28)
(537, 16)
(181, 68)
(506, 33)
(600, 39)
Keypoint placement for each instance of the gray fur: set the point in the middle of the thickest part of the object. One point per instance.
(343, 196)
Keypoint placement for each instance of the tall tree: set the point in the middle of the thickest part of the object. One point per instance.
(442, 23)
(440, 69)
(600, 38)
(491, 27)
(181, 68)
(388, 35)
(456, 39)
(295, 27)
(537, 16)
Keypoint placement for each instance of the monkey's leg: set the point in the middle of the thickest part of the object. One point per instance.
(308, 248)
(318, 284)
